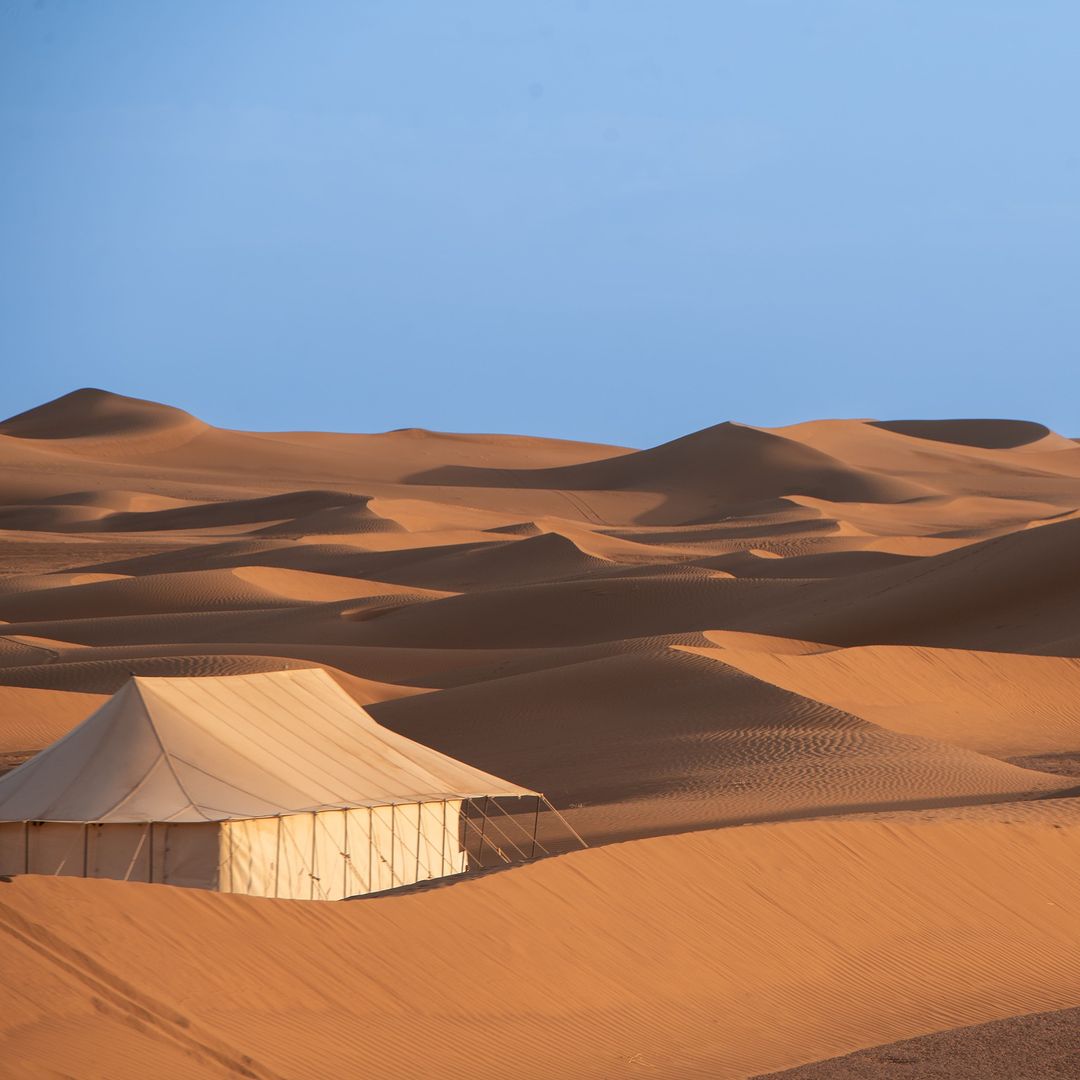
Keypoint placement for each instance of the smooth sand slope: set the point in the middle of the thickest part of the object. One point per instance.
(704, 955)
(850, 646)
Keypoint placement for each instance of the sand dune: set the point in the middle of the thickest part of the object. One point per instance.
(1013, 593)
(547, 557)
(997, 703)
(34, 718)
(985, 434)
(656, 740)
(861, 632)
(577, 612)
(689, 956)
(90, 414)
(704, 472)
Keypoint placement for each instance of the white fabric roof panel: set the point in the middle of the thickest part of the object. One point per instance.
(236, 746)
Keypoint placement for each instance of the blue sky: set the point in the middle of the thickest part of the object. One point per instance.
(619, 221)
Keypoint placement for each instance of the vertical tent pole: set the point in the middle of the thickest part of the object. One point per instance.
(232, 859)
(277, 858)
(393, 844)
(345, 861)
(311, 872)
(150, 855)
(26, 845)
(419, 817)
(442, 843)
(483, 829)
(85, 850)
(536, 827)
(370, 843)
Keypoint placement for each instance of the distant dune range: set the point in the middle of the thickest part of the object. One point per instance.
(843, 655)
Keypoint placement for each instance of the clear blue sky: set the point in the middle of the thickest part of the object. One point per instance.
(601, 219)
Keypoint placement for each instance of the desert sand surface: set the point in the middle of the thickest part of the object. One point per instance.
(809, 693)
(1038, 1047)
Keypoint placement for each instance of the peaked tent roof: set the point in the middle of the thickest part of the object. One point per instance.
(235, 746)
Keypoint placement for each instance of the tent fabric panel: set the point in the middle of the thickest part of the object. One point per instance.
(300, 729)
(443, 849)
(328, 855)
(216, 799)
(305, 752)
(241, 746)
(56, 848)
(295, 879)
(160, 788)
(358, 851)
(330, 866)
(12, 847)
(120, 852)
(260, 750)
(406, 843)
(187, 855)
(249, 856)
(383, 874)
(84, 775)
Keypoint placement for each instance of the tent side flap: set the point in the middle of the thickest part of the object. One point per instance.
(185, 854)
(331, 854)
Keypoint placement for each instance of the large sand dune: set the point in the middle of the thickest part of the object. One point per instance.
(810, 693)
(715, 955)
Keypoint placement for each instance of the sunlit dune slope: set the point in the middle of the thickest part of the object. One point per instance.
(997, 703)
(657, 740)
(702, 955)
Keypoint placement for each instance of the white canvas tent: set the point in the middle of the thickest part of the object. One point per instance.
(274, 784)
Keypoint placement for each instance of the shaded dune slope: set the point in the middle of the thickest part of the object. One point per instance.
(1016, 593)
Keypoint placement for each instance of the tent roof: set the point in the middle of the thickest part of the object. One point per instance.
(235, 746)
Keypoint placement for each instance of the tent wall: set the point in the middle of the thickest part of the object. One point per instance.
(184, 854)
(320, 856)
(337, 853)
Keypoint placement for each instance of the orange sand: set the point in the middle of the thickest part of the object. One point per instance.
(852, 645)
